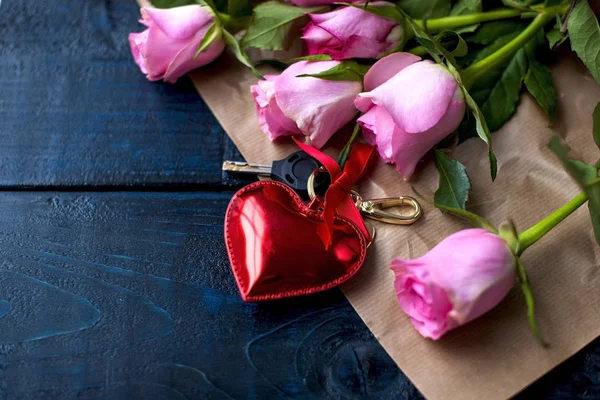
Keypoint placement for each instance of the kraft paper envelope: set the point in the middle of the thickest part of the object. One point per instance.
(495, 356)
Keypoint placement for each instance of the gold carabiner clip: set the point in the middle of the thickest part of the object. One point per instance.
(374, 209)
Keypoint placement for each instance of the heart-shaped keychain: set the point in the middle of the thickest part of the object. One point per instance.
(281, 247)
(275, 250)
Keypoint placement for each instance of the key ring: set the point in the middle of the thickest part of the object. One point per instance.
(310, 183)
(374, 209)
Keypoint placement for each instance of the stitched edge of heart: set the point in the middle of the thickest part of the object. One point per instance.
(297, 292)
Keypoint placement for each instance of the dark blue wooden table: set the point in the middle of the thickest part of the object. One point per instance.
(114, 280)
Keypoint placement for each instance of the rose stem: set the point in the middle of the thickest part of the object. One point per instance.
(537, 231)
(473, 72)
(418, 51)
(458, 21)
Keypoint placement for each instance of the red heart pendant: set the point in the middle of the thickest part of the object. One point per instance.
(274, 248)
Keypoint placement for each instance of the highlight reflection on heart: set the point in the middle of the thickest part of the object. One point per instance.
(274, 248)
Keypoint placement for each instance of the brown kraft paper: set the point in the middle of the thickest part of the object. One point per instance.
(495, 356)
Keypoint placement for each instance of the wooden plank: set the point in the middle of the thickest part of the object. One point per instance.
(115, 295)
(76, 111)
(122, 295)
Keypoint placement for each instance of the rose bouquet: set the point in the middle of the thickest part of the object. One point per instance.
(414, 78)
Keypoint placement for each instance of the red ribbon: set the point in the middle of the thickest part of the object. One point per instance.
(338, 199)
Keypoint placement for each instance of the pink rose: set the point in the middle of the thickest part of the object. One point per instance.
(463, 277)
(350, 32)
(410, 105)
(289, 105)
(166, 49)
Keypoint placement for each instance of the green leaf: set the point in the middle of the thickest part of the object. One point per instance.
(581, 172)
(347, 70)
(454, 186)
(518, 4)
(389, 12)
(461, 47)
(467, 29)
(238, 7)
(421, 9)
(493, 164)
(498, 92)
(557, 35)
(539, 83)
(314, 57)
(495, 46)
(213, 33)
(585, 175)
(552, 3)
(464, 7)
(272, 24)
(482, 131)
(476, 54)
(527, 292)
(597, 125)
(343, 157)
(493, 31)
(555, 38)
(584, 34)
(239, 53)
(474, 219)
(504, 96)
(595, 216)
(430, 46)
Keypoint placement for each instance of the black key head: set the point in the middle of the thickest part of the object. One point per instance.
(294, 171)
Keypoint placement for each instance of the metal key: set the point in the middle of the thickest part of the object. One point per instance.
(294, 171)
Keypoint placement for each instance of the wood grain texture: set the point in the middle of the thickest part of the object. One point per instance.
(119, 294)
(129, 295)
(76, 111)
(115, 295)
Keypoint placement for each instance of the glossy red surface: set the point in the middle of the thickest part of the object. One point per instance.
(274, 247)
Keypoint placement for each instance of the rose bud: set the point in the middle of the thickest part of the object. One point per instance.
(289, 105)
(166, 49)
(351, 32)
(463, 277)
(410, 105)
